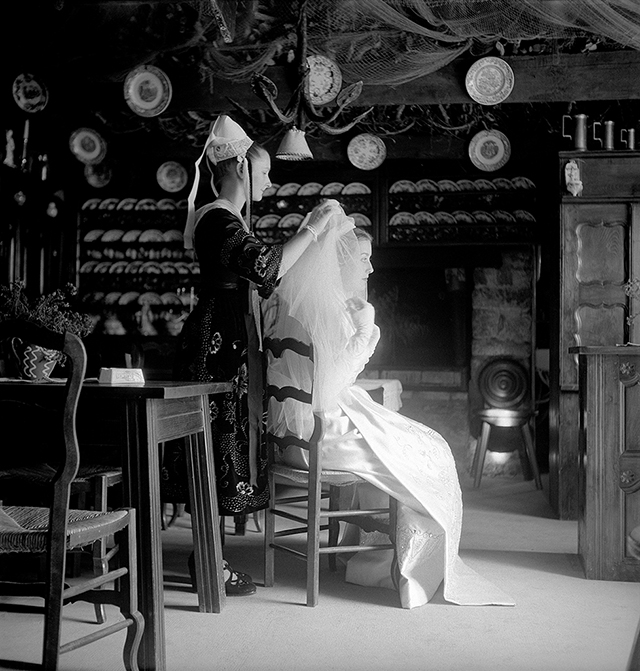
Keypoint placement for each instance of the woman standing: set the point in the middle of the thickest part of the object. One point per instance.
(221, 337)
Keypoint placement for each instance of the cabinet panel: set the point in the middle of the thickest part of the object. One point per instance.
(596, 248)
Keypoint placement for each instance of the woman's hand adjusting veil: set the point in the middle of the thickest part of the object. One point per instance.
(317, 220)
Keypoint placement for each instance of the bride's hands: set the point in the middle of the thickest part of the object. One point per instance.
(362, 313)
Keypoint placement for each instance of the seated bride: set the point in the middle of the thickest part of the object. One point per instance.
(322, 300)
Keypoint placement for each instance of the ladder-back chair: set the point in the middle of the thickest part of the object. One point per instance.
(320, 484)
(52, 529)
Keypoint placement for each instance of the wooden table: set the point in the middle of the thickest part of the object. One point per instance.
(146, 416)
(609, 460)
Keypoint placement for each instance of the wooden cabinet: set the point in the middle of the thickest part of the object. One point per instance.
(599, 254)
(608, 460)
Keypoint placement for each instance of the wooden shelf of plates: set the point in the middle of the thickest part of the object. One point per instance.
(132, 271)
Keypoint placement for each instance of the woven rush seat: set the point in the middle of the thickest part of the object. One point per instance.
(300, 476)
(27, 527)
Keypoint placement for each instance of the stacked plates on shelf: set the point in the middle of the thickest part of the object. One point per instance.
(402, 219)
(403, 186)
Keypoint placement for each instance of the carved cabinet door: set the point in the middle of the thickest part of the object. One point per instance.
(600, 242)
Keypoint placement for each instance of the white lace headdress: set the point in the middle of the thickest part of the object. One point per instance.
(226, 140)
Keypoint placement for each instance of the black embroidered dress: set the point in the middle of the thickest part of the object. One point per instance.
(214, 347)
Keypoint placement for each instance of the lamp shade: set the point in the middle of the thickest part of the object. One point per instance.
(294, 147)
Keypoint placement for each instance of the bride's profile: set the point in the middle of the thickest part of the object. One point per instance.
(322, 300)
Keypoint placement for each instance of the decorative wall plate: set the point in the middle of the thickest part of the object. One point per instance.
(288, 189)
(424, 185)
(332, 189)
(489, 80)
(355, 188)
(366, 151)
(310, 189)
(147, 90)
(172, 176)
(30, 94)
(489, 150)
(97, 175)
(403, 186)
(88, 146)
(324, 80)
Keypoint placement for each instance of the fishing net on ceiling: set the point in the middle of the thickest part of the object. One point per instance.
(392, 42)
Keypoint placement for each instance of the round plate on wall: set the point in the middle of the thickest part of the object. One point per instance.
(30, 94)
(87, 146)
(489, 150)
(324, 80)
(147, 90)
(489, 80)
(366, 151)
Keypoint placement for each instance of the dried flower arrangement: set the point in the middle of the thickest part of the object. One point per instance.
(53, 310)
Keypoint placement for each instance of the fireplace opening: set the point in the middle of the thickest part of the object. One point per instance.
(424, 318)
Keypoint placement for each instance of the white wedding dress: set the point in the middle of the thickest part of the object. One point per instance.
(397, 456)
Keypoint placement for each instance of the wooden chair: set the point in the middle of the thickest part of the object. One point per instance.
(54, 529)
(319, 483)
(504, 385)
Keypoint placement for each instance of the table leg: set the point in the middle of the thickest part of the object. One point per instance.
(142, 492)
(205, 519)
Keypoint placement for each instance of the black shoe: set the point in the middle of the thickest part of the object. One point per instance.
(238, 584)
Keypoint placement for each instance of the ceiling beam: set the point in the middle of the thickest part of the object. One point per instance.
(557, 78)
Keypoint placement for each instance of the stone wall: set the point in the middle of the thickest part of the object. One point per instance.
(502, 326)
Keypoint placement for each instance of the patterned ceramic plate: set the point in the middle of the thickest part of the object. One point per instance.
(522, 183)
(292, 220)
(268, 221)
(127, 204)
(97, 176)
(489, 150)
(88, 266)
(112, 235)
(503, 183)
(483, 217)
(87, 146)
(118, 267)
(332, 189)
(447, 185)
(425, 218)
(147, 90)
(289, 189)
(146, 204)
(366, 151)
(173, 235)
(93, 235)
(151, 235)
(310, 189)
(466, 185)
(91, 204)
(128, 297)
(489, 80)
(172, 176)
(524, 216)
(131, 235)
(504, 217)
(324, 80)
(463, 217)
(424, 185)
(402, 219)
(30, 94)
(108, 204)
(355, 188)
(403, 186)
(169, 298)
(167, 204)
(445, 218)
